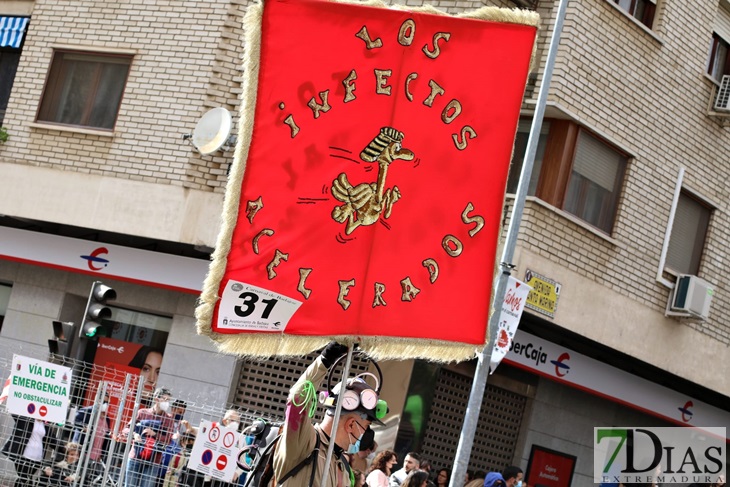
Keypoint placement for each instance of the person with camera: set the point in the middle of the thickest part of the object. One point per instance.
(150, 436)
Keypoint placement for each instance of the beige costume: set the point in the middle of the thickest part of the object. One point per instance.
(298, 440)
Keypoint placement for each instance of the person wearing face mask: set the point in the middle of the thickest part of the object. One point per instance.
(152, 433)
(180, 428)
(101, 435)
(300, 456)
(368, 446)
(510, 477)
(231, 419)
(179, 461)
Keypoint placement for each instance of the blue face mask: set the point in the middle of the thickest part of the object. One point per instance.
(178, 417)
(354, 447)
(518, 484)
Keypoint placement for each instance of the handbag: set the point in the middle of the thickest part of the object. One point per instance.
(146, 448)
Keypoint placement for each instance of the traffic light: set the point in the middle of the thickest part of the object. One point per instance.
(96, 309)
(63, 336)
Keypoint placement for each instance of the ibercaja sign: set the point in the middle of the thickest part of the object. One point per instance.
(659, 455)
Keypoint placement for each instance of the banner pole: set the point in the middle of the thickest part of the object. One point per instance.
(466, 440)
(336, 419)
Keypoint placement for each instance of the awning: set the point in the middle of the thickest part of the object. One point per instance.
(12, 30)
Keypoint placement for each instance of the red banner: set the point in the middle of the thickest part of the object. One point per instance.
(367, 191)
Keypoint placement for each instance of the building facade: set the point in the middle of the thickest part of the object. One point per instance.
(629, 192)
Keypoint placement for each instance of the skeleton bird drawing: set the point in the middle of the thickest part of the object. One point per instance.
(364, 203)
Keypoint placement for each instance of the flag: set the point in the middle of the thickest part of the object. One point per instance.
(513, 305)
(365, 198)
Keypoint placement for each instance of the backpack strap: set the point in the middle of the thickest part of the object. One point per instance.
(303, 464)
(350, 473)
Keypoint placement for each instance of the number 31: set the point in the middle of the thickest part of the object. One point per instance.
(249, 305)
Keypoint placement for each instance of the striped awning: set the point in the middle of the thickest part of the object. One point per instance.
(12, 30)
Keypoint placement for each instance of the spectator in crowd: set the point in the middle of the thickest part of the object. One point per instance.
(359, 477)
(179, 460)
(232, 419)
(426, 467)
(443, 477)
(100, 444)
(151, 435)
(416, 478)
(411, 462)
(381, 468)
(477, 479)
(27, 447)
(63, 473)
(512, 476)
(180, 427)
(494, 479)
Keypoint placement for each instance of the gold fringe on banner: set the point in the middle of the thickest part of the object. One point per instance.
(268, 344)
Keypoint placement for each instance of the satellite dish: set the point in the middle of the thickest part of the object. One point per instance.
(211, 131)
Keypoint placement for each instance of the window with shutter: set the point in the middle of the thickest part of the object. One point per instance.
(84, 89)
(594, 184)
(689, 231)
(574, 171)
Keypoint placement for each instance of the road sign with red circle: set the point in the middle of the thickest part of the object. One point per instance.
(43, 411)
(228, 439)
(214, 434)
(31, 408)
(221, 463)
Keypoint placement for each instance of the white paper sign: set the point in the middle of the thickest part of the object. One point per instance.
(39, 389)
(215, 451)
(514, 303)
(247, 307)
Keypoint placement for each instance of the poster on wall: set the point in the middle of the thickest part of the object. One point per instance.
(368, 186)
(114, 359)
(549, 468)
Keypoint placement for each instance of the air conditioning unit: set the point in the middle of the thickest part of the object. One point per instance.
(722, 100)
(691, 297)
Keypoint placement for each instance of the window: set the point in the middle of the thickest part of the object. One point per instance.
(9, 59)
(518, 156)
(641, 10)
(689, 232)
(4, 300)
(138, 327)
(574, 171)
(12, 37)
(719, 60)
(84, 89)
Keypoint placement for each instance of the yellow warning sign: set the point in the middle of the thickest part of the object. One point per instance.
(544, 295)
